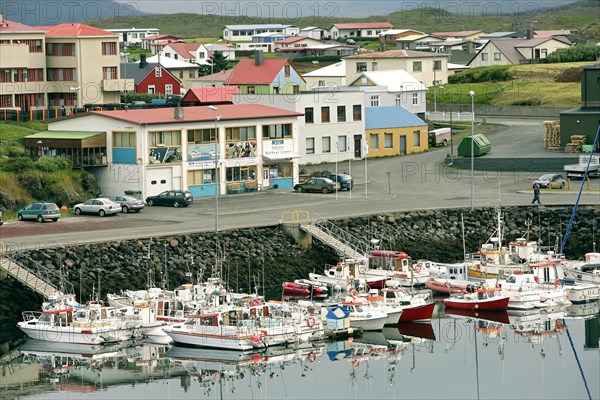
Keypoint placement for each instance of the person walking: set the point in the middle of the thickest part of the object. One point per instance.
(536, 194)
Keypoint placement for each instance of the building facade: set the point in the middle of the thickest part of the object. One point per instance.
(154, 150)
(244, 33)
(393, 131)
(133, 36)
(359, 29)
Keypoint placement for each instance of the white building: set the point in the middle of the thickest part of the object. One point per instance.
(329, 76)
(134, 36)
(315, 32)
(331, 119)
(153, 150)
(244, 33)
(359, 29)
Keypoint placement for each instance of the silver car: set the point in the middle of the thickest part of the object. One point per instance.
(129, 203)
(101, 206)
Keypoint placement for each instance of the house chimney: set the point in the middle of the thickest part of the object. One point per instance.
(529, 33)
(178, 112)
(470, 47)
(258, 57)
(143, 61)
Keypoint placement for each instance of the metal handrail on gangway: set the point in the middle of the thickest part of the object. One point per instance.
(39, 278)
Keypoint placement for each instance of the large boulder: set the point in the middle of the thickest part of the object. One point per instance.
(68, 197)
(33, 183)
(90, 184)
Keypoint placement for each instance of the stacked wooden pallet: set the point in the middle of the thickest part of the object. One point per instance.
(552, 135)
(576, 143)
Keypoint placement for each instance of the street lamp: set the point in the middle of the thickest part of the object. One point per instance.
(451, 141)
(39, 148)
(472, 94)
(217, 176)
(76, 90)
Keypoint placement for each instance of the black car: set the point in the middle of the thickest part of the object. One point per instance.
(324, 185)
(344, 180)
(173, 198)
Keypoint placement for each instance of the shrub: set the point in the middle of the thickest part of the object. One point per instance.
(586, 52)
(569, 75)
(53, 164)
(19, 164)
(484, 74)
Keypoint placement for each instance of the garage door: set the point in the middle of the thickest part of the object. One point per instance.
(158, 180)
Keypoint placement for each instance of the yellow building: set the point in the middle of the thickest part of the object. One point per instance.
(393, 131)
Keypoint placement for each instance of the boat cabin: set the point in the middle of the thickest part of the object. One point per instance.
(390, 260)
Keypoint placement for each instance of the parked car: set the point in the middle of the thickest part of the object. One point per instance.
(324, 185)
(128, 203)
(344, 180)
(173, 198)
(101, 206)
(39, 212)
(552, 181)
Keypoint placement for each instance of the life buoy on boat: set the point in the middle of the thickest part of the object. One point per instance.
(354, 293)
(556, 282)
(312, 357)
(310, 322)
(558, 326)
(355, 363)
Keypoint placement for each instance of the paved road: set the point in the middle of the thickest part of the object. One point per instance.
(416, 182)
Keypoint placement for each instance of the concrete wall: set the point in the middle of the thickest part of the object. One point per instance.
(517, 164)
(501, 111)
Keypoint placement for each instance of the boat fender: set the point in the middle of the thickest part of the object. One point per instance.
(311, 322)
(476, 306)
(312, 357)
(355, 363)
(354, 293)
(558, 326)
(556, 282)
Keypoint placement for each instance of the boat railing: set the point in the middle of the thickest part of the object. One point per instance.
(31, 315)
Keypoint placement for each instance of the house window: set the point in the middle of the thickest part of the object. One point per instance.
(321, 83)
(165, 147)
(109, 73)
(151, 89)
(286, 70)
(497, 57)
(388, 140)
(201, 136)
(296, 89)
(342, 143)
(374, 141)
(341, 113)
(124, 139)
(241, 134)
(275, 89)
(168, 55)
(35, 45)
(356, 112)
(310, 145)
(201, 177)
(277, 131)
(417, 66)
(61, 74)
(361, 66)
(165, 138)
(324, 114)
(109, 48)
(309, 115)
(60, 49)
(398, 99)
(158, 71)
(544, 53)
(415, 98)
(326, 144)
(437, 65)
(484, 56)
(375, 101)
(181, 74)
(369, 33)
(416, 138)
(374, 66)
(251, 90)
(192, 73)
(176, 56)
(168, 89)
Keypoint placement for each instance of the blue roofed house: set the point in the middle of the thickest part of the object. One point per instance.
(393, 130)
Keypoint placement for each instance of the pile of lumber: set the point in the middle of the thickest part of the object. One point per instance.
(576, 143)
(552, 135)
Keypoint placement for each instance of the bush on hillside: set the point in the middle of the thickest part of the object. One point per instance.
(586, 52)
(19, 164)
(53, 164)
(484, 74)
(569, 75)
(325, 59)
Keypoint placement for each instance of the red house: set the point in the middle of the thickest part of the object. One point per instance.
(151, 78)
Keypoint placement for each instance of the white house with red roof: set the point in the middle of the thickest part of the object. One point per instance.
(154, 150)
(186, 51)
(156, 42)
(359, 29)
(134, 36)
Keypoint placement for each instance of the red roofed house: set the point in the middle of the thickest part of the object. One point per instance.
(175, 148)
(359, 29)
(467, 36)
(155, 42)
(266, 76)
(185, 51)
(298, 41)
(151, 78)
(73, 64)
(210, 95)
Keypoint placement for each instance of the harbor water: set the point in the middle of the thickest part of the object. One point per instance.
(549, 354)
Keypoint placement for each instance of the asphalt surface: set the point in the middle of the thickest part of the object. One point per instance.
(419, 181)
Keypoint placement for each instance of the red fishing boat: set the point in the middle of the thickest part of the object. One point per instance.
(480, 299)
(295, 289)
(415, 307)
(446, 286)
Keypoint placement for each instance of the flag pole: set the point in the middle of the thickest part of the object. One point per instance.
(366, 150)
(350, 165)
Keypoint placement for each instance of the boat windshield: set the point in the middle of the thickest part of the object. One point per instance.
(511, 279)
(45, 318)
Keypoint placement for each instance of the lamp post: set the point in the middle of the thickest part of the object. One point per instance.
(472, 94)
(451, 141)
(125, 75)
(76, 90)
(217, 178)
(39, 148)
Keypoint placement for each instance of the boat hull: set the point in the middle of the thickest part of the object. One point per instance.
(417, 313)
(368, 324)
(74, 334)
(214, 341)
(496, 303)
(443, 287)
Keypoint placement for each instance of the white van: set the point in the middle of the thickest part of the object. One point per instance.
(440, 136)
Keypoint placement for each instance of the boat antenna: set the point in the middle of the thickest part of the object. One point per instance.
(462, 227)
(585, 177)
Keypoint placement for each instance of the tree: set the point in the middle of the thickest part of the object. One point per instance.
(216, 63)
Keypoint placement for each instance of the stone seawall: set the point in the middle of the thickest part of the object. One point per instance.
(266, 257)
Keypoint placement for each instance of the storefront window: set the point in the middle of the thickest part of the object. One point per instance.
(165, 147)
(237, 174)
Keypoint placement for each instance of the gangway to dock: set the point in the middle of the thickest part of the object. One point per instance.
(38, 278)
(346, 245)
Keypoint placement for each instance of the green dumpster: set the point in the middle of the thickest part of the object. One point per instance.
(481, 146)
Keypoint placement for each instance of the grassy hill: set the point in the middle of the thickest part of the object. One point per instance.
(582, 15)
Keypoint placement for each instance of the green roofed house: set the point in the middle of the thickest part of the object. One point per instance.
(83, 148)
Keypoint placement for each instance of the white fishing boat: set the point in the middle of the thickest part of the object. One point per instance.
(375, 302)
(363, 317)
(587, 271)
(397, 267)
(62, 319)
(346, 275)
